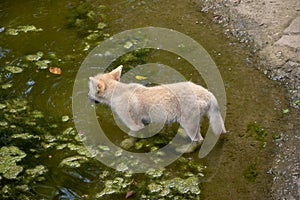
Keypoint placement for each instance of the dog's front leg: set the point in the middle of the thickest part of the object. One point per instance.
(132, 122)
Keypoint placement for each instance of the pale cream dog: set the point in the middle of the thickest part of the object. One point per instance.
(135, 104)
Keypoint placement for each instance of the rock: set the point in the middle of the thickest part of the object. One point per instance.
(292, 41)
(294, 27)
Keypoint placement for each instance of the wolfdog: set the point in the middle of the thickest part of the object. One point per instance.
(135, 104)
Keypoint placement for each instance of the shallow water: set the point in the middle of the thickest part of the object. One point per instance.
(236, 168)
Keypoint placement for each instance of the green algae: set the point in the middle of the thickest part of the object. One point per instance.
(101, 25)
(65, 118)
(24, 136)
(70, 131)
(73, 161)
(36, 171)
(8, 164)
(2, 106)
(115, 186)
(35, 57)
(22, 29)
(155, 183)
(42, 64)
(155, 173)
(188, 187)
(128, 143)
(14, 69)
(6, 86)
(36, 114)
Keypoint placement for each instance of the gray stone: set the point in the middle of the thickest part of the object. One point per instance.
(294, 27)
(292, 41)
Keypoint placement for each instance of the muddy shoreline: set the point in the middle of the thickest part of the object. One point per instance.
(271, 29)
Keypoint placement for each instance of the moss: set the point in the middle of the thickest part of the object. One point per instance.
(250, 173)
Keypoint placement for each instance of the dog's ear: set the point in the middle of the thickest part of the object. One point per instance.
(116, 73)
(101, 86)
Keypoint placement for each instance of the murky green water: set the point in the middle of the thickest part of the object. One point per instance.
(50, 161)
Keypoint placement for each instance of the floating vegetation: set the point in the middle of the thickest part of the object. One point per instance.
(14, 69)
(65, 118)
(24, 136)
(189, 188)
(2, 106)
(37, 60)
(155, 183)
(24, 29)
(115, 186)
(6, 86)
(29, 136)
(42, 64)
(128, 143)
(101, 25)
(74, 161)
(8, 163)
(36, 171)
(35, 57)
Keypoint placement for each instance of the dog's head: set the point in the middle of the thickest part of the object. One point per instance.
(99, 84)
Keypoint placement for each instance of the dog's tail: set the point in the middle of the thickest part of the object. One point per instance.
(215, 118)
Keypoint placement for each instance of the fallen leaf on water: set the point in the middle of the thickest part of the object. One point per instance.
(55, 70)
(138, 77)
(129, 194)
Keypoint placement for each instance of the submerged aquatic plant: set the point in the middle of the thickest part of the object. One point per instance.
(250, 173)
(258, 132)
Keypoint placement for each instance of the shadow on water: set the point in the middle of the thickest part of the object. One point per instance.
(35, 106)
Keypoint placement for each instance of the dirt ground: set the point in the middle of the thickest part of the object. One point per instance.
(272, 30)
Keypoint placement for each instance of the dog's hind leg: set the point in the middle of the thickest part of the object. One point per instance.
(192, 129)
